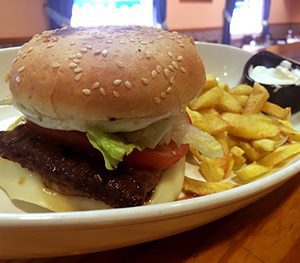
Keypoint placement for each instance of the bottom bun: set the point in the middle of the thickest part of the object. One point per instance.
(23, 185)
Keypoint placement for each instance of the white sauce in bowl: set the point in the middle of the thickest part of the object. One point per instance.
(283, 74)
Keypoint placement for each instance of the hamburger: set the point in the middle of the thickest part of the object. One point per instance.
(104, 112)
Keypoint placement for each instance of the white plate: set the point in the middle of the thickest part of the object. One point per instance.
(54, 234)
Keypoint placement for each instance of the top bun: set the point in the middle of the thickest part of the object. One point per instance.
(107, 72)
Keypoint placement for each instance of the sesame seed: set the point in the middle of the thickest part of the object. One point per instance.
(157, 100)
(120, 64)
(153, 74)
(72, 56)
(172, 38)
(122, 41)
(179, 58)
(108, 41)
(117, 82)
(95, 85)
(183, 70)
(169, 89)
(104, 53)
(127, 84)
(24, 55)
(76, 60)
(55, 65)
(172, 80)
(86, 91)
(7, 75)
(174, 64)
(145, 81)
(160, 37)
(167, 72)
(158, 68)
(77, 70)
(50, 45)
(132, 40)
(102, 91)
(78, 55)
(77, 77)
(171, 68)
(89, 47)
(72, 65)
(163, 94)
(98, 51)
(116, 94)
(148, 55)
(20, 69)
(30, 49)
(18, 79)
(179, 37)
(170, 54)
(83, 50)
(181, 45)
(72, 43)
(143, 43)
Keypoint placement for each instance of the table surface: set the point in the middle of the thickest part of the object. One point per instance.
(290, 50)
(266, 231)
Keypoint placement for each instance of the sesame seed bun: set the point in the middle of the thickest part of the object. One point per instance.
(107, 72)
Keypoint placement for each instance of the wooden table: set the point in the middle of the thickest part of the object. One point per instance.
(266, 231)
(290, 50)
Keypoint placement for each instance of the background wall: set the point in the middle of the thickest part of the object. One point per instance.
(22, 18)
(189, 15)
(194, 14)
(285, 11)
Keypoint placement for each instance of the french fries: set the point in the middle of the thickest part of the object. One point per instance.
(252, 126)
(204, 188)
(257, 99)
(209, 99)
(256, 136)
(276, 111)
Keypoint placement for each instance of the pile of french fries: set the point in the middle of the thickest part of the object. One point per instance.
(257, 136)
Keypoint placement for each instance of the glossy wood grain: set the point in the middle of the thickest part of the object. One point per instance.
(290, 50)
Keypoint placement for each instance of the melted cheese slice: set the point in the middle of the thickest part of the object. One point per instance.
(23, 185)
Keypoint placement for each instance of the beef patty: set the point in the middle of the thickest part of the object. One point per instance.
(72, 172)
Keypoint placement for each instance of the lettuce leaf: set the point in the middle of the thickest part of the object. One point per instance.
(112, 147)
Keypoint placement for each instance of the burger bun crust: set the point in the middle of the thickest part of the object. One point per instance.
(105, 73)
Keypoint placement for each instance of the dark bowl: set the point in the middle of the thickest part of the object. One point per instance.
(286, 95)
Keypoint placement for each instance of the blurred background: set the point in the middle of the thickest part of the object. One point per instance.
(250, 24)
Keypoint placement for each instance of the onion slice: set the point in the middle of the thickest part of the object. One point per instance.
(203, 142)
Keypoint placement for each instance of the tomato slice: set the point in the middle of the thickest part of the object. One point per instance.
(73, 139)
(162, 157)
